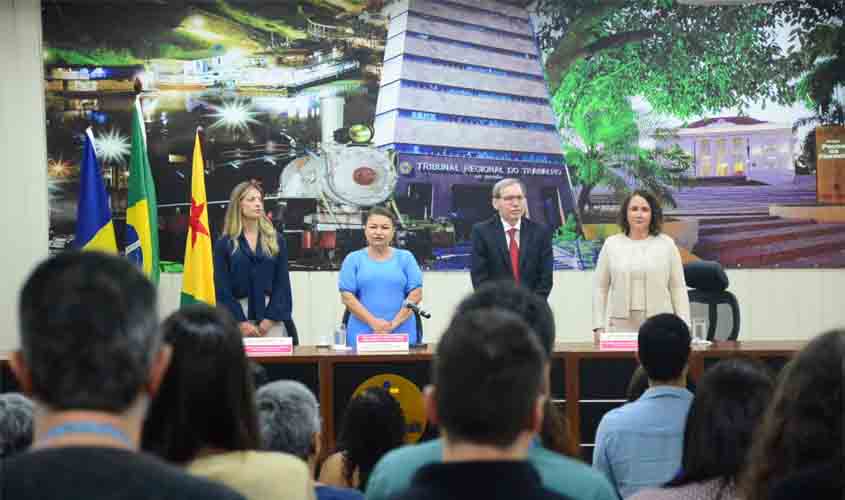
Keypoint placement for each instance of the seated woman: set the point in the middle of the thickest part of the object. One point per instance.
(375, 282)
(372, 425)
(728, 405)
(798, 447)
(204, 415)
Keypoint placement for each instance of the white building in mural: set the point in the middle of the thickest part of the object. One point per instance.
(738, 146)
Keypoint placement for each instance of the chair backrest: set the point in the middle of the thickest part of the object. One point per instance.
(417, 319)
(720, 309)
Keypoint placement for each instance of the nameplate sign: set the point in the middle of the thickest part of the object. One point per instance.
(618, 341)
(267, 346)
(390, 342)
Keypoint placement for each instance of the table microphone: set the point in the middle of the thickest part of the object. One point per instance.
(417, 309)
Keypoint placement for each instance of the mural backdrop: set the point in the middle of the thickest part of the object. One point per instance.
(420, 105)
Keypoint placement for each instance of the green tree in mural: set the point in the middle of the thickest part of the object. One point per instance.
(601, 142)
(684, 60)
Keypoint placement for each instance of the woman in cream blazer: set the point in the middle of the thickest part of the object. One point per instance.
(639, 271)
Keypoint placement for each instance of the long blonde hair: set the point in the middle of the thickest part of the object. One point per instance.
(233, 224)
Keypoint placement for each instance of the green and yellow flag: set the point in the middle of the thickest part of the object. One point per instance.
(198, 276)
(142, 212)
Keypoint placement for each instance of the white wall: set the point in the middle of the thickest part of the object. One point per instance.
(23, 168)
(775, 304)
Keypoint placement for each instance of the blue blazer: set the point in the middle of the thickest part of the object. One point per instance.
(242, 273)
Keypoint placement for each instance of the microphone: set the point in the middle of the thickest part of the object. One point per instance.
(417, 309)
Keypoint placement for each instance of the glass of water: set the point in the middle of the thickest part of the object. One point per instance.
(340, 337)
(699, 330)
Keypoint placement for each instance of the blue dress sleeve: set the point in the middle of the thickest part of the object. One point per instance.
(223, 279)
(412, 272)
(348, 279)
(281, 299)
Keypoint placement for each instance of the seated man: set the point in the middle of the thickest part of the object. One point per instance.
(640, 444)
(91, 356)
(562, 474)
(289, 421)
(16, 415)
(488, 398)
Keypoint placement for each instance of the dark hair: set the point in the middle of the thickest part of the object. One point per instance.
(803, 424)
(373, 424)
(89, 331)
(656, 224)
(731, 397)
(381, 211)
(488, 373)
(206, 398)
(16, 423)
(289, 417)
(508, 296)
(664, 347)
(555, 433)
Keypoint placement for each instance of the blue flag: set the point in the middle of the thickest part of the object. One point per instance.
(94, 228)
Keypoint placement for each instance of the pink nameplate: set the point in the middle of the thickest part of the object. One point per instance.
(390, 342)
(268, 346)
(618, 341)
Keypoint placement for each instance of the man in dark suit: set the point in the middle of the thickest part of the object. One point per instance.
(509, 246)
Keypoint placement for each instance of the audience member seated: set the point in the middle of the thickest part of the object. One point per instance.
(204, 416)
(639, 444)
(798, 446)
(16, 414)
(91, 358)
(637, 385)
(488, 395)
(562, 474)
(730, 401)
(555, 434)
(373, 424)
(289, 422)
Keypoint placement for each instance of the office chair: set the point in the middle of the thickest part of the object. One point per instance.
(710, 299)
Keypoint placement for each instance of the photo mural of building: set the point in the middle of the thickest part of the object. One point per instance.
(463, 102)
(738, 146)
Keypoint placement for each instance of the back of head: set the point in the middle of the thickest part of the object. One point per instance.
(288, 417)
(729, 401)
(16, 424)
(664, 347)
(373, 424)
(206, 399)
(803, 424)
(89, 331)
(488, 373)
(508, 296)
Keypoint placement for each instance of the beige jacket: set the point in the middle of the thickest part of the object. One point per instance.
(258, 475)
(665, 288)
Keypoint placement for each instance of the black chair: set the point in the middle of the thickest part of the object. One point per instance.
(710, 299)
(417, 318)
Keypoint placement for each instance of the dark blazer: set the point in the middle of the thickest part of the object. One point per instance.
(491, 259)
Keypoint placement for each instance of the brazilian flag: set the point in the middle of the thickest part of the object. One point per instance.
(142, 213)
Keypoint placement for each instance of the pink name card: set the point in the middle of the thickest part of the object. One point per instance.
(267, 346)
(618, 341)
(390, 342)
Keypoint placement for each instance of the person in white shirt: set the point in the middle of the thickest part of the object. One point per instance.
(639, 272)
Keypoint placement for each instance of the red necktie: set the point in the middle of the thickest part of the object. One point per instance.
(514, 250)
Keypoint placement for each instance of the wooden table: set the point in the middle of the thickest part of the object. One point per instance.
(596, 380)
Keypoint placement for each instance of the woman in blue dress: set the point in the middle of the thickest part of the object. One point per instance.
(251, 277)
(376, 280)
